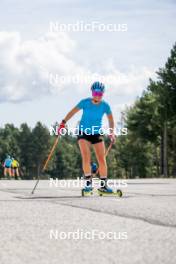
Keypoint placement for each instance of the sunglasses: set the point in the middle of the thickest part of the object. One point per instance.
(94, 93)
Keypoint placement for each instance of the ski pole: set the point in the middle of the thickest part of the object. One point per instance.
(46, 162)
(108, 149)
(107, 152)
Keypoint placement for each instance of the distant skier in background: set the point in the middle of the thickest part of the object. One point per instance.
(7, 167)
(15, 168)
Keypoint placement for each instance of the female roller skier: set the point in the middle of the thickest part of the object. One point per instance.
(89, 134)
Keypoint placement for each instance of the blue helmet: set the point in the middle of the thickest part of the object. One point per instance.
(98, 86)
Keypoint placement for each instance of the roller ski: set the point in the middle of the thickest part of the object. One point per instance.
(104, 190)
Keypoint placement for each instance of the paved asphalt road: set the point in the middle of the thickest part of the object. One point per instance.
(57, 225)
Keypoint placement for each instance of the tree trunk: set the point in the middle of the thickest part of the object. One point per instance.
(161, 157)
(156, 160)
(165, 150)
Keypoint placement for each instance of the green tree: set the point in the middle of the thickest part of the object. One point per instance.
(40, 146)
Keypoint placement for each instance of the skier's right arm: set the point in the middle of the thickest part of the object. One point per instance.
(67, 117)
(71, 113)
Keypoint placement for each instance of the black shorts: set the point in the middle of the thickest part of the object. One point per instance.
(93, 139)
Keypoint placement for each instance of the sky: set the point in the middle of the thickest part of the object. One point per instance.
(46, 71)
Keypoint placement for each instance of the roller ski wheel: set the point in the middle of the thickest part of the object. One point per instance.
(119, 193)
(87, 192)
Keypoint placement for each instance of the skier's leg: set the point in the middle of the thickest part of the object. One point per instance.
(99, 149)
(10, 172)
(5, 172)
(84, 146)
(86, 159)
(101, 157)
(17, 172)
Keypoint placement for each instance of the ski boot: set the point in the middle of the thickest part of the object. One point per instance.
(88, 189)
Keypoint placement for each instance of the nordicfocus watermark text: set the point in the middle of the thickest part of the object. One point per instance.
(79, 183)
(81, 26)
(81, 234)
(88, 131)
(58, 79)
